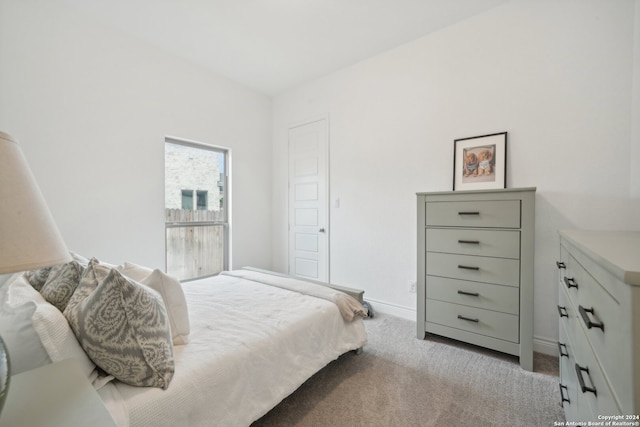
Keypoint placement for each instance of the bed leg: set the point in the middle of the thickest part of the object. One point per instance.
(358, 351)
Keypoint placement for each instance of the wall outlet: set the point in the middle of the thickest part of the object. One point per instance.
(412, 286)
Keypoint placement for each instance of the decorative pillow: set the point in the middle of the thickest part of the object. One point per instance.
(172, 295)
(38, 326)
(91, 276)
(37, 278)
(124, 329)
(61, 283)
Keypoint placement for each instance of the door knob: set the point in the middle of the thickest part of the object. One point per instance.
(321, 230)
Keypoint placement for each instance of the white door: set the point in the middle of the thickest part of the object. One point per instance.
(308, 201)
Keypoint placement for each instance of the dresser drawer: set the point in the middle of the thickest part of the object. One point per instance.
(505, 299)
(599, 317)
(494, 243)
(482, 213)
(589, 373)
(500, 271)
(484, 322)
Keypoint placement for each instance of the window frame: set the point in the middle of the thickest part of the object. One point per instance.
(226, 205)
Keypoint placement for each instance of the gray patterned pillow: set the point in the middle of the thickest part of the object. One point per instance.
(37, 278)
(91, 276)
(123, 328)
(61, 283)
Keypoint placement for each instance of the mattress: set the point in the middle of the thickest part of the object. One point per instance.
(250, 346)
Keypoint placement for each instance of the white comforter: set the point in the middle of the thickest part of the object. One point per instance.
(250, 346)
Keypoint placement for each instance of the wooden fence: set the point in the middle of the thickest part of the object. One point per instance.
(188, 215)
(194, 250)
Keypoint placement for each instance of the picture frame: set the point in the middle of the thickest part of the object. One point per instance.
(480, 162)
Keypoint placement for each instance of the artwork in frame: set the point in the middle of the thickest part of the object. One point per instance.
(480, 162)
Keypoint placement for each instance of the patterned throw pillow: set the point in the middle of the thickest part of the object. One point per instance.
(61, 283)
(37, 278)
(91, 276)
(123, 328)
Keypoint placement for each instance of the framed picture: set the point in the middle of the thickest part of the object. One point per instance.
(480, 162)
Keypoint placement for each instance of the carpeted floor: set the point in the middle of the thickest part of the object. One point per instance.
(401, 381)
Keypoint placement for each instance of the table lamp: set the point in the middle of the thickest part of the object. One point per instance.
(29, 238)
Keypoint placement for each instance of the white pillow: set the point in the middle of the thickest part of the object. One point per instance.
(134, 271)
(17, 290)
(26, 352)
(41, 326)
(175, 302)
(58, 338)
(172, 295)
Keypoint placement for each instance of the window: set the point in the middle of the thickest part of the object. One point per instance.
(202, 200)
(196, 206)
(187, 199)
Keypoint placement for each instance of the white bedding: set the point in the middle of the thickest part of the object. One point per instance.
(250, 346)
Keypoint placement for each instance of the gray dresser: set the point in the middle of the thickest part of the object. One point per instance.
(599, 332)
(475, 268)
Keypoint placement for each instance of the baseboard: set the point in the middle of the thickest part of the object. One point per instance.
(545, 346)
(540, 345)
(395, 310)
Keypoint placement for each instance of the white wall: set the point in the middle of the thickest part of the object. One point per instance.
(556, 75)
(92, 106)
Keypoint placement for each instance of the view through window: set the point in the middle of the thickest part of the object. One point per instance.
(196, 223)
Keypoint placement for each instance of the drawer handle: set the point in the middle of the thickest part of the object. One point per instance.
(471, 242)
(561, 265)
(585, 318)
(468, 319)
(473, 294)
(468, 213)
(561, 309)
(570, 282)
(563, 353)
(564, 399)
(583, 387)
(466, 267)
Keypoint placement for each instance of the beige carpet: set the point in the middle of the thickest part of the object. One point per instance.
(401, 381)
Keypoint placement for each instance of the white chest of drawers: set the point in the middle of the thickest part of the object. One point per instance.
(599, 331)
(475, 268)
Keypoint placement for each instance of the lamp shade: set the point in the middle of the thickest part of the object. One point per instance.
(29, 237)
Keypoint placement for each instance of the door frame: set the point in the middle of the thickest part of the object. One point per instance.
(327, 180)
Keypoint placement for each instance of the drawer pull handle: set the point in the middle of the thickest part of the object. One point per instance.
(564, 399)
(583, 387)
(570, 282)
(466, 267)
(468, 319)
(563, 353)
(473, 294)
(561, 265)
(468, 213)
(585, 318)
(471, 242)
(561, 309)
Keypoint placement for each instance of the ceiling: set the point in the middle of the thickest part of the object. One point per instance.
(273, 45)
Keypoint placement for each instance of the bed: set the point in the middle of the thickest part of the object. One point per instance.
(252, 339)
